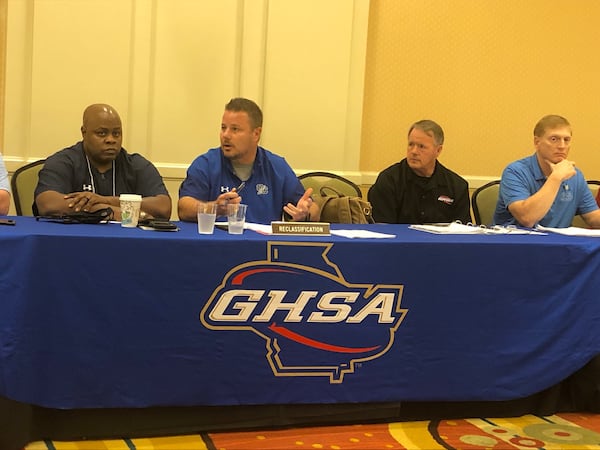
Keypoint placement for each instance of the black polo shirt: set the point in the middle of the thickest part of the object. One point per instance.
(67, 171)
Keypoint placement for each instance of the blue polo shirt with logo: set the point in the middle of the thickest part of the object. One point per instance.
(271, 185)
(523, 178)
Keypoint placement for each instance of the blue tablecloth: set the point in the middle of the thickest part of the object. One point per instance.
(102, 316)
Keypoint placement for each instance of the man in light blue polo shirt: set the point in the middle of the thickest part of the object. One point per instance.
(546, 188)
(4, 189)
(239, 171)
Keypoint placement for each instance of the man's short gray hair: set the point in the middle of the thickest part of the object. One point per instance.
(431, 128)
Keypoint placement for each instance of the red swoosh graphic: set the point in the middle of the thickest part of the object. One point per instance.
(283, 331)
(239, 278)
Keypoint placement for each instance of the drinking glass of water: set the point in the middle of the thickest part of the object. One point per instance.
(236, 217)
(207, 213)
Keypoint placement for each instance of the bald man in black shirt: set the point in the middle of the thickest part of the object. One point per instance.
(91, 174)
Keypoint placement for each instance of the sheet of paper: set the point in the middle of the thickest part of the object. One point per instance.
(258, 227)
(266, 229)
(571, 231)
(362, 234)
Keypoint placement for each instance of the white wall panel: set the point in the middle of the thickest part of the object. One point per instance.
(80, 55)
(194, 72)
(169, 67)
(308, 90)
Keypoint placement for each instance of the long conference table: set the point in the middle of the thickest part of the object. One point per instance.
(106, 319)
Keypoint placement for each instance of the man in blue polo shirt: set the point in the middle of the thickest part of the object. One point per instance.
(240, 171)
(546, 188)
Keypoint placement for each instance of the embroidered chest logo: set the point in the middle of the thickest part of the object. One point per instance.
(314, 322)
(565, 194)
(262, 189)
(87, 187)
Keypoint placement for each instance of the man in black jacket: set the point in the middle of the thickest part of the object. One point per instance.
(419, 189)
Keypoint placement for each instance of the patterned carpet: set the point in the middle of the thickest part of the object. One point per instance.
(560, 431)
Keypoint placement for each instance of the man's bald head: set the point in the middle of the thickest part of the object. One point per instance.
(102, 134)
(99, 109)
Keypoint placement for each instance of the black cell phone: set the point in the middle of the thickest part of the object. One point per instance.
(159, 224)
(162, 224)
(7, 222)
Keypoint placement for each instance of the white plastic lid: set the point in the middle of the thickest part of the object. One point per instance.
(130, 197)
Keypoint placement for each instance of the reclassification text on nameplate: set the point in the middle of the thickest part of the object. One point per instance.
(301, 228)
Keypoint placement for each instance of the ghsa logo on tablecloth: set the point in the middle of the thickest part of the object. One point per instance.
(315, 323)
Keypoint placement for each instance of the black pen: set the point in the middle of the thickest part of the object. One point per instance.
(237, 190)
(240, 187)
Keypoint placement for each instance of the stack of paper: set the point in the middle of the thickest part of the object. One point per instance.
(449, 228)
(459, 228)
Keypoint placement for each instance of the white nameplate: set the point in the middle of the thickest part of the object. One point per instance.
(301, 228)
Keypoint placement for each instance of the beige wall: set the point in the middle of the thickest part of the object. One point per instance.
(169, 67)
(3, 20)
(486, 70)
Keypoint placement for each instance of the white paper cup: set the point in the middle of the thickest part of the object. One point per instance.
(236, 217)
(207, 213)
(130, 209)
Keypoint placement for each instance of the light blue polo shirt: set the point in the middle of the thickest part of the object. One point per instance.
(523, 178)
(4, 184)
(271, 185)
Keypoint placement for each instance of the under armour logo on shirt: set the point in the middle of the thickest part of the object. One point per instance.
(87, 187)
(224, 189)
